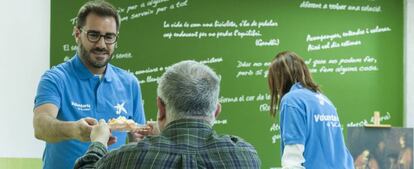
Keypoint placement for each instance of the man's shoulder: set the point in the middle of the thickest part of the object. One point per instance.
(125, 148)
(237, 141)
(59, 71)
(122, 73)
(237, 150)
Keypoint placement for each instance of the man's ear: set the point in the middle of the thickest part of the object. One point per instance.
(76, 33)
(161, 109)
(218, 110)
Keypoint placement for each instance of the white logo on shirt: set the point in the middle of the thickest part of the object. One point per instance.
(120, 108)
(322, 99)
(322, 117)
(330, 120)
(81, 107)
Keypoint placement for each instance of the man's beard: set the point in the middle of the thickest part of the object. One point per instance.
(86, 56)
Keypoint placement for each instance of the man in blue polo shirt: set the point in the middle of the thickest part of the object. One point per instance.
(72, 95)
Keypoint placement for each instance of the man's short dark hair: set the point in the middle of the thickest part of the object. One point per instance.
(100, 8)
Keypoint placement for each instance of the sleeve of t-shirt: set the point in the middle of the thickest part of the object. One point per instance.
(48, 91)
(292, 157)
(293, 125)
(139, 115)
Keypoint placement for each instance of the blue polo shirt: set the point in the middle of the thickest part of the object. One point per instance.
(78, 94)
(310, 119)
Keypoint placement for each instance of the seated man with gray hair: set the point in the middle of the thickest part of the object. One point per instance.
(188, 105)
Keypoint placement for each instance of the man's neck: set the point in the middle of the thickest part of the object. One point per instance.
(96, 71)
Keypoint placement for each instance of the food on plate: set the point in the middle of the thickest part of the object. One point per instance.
(123, 124)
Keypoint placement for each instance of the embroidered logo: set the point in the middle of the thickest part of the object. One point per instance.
(120, 108)
(322, 99)
(81, 107)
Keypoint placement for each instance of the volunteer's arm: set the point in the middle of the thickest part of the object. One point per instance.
(48, 128)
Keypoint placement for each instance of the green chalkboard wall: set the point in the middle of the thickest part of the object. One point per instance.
(354, 49)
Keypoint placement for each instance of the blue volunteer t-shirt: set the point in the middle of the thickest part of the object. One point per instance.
(78, 94)
(310, 118)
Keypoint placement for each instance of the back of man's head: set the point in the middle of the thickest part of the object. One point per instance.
(189, 90)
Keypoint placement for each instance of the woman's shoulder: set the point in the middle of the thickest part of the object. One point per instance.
(301, 96)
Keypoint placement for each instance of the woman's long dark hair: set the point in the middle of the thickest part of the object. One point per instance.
(286, 69)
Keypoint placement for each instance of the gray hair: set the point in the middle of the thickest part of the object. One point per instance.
(189, 89)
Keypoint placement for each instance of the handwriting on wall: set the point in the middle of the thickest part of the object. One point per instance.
(219, 29)
(343, 66)
(370, 120)
(153, 74)
(339, 40)
(340, 7)
(338, 65)
(148, 8)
